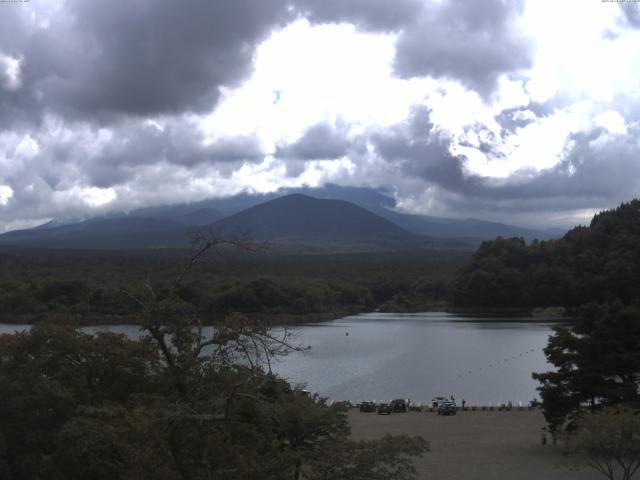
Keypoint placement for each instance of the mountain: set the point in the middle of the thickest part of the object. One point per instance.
(317, 224)
(167, 226)
(102, 233)
(185, 214)
(469, 228)
(299, 217)
(382, 203)
(378, 201)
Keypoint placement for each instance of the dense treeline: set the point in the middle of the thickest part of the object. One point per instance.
(597, 364)
(89, 285)
(597, 263)
(591, 398)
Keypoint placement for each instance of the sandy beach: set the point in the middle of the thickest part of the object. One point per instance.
(476, 445)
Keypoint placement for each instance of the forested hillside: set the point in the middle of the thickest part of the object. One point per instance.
(589, 264)
(275, 288)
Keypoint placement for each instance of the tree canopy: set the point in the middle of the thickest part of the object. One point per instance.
(597, 263)
(609, 442)
(597, 363)
(173, 404)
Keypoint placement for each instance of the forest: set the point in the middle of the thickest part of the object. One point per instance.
(595, 263)
(88, 285)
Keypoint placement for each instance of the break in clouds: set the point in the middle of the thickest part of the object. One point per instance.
(111, 106)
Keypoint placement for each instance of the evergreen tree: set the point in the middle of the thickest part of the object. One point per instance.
(597, 364)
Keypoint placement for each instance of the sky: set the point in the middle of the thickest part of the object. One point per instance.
(526, 112)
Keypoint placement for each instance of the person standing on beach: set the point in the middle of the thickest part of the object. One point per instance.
(463, 404)
(543, 435)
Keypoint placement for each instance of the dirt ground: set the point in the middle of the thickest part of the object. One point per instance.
(476, 445)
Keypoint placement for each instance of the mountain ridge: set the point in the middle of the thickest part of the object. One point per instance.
(168, 226)
(378, 201)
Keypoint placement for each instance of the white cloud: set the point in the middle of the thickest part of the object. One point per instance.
(10, 72)
(28, 147)
(6, 192)
(581, 50)
(612, 121)
(322, 73)
(91, 196)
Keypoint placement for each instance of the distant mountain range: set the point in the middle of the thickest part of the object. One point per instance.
(338, 218)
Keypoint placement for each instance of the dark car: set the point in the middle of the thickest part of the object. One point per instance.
(446, 408)
(384, 409)
(399, 405)
(367, 407)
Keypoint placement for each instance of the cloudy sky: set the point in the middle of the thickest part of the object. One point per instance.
(521, 111)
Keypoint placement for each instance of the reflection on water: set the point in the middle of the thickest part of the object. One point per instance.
(420, 356)
(416, 356)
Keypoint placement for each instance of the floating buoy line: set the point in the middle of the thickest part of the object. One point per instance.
(498, 362)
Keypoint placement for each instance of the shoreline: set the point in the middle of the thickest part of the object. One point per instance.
(271, 319)
(284, 319)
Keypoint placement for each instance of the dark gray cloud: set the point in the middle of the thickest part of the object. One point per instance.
(419, 150)
(598, 171)
(97, 60)
(377, 15)
(319, 142)
(100, 60)
(144, 163)
(13, 29)
(599, 166)
(473, 42)
(512, 119)
(147, 57)
(16, 105)
(57, 181)
(322, 141)
(114, 160)
(631, 12)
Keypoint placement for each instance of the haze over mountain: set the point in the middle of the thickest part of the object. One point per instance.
(289, 219)
(382, 204)
(102, 233)
(336, 213)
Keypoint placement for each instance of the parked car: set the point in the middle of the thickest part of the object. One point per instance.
(367, 407)
(384, 409)
(415, 407)
(435, 401)
(446, 408)
(399, 405)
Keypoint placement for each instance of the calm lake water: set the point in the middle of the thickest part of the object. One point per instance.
(416, 356)
(420, 356)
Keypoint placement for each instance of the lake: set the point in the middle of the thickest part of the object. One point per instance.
(420, 356)
(417, 356)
